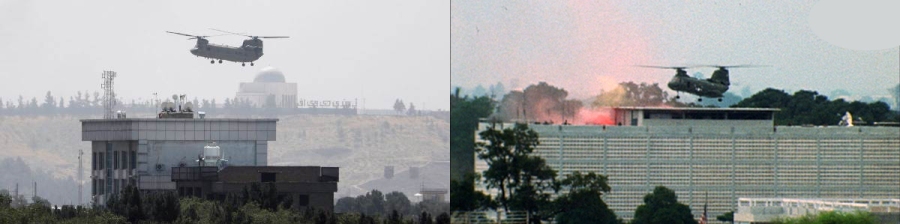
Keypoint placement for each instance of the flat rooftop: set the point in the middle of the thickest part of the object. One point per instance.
(730, 109)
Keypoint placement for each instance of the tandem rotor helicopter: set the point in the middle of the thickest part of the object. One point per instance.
(250, 51)
(713, 87)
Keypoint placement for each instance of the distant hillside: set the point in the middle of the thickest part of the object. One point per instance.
(360, 145)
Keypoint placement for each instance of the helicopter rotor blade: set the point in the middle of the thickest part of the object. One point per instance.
(240, 34)
(733, 66)
(665, 67)
(183, 34)
(273, 37)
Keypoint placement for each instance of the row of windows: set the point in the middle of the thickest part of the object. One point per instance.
(121, 160)
(98, 186)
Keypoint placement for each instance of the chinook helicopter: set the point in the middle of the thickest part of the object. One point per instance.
(713, 87)
(250, 51)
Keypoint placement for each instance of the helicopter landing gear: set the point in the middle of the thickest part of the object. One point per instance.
(220, 61)
(251, 63)
(212, 61)
(243, 64)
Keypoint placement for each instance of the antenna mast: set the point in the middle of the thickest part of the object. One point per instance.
(80, 175)
(109, 95)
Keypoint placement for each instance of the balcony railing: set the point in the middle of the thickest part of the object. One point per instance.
(203, 173)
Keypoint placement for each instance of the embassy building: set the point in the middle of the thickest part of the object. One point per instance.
(715, 156)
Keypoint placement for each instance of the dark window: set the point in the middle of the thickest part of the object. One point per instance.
(266, 177)
(100, 160)
(115, 159)
(133, 159)
(93, 186)
(93, 161)
(303, 200)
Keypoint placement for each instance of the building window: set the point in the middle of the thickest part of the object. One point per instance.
(115, 160)
(93, 186)
(93, 161)
(100, 160)
(266, 177)
(133, 159)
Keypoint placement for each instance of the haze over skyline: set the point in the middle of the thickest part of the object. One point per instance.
(589, 46)
(338, 50)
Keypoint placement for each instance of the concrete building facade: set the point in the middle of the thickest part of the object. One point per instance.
(728, 157)
(306, 186)
(141, 151)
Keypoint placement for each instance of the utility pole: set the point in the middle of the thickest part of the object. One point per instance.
(80, 175)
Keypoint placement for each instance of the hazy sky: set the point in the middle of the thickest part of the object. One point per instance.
(377, 50)
(585, 46)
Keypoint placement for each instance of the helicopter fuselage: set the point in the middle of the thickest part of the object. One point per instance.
(699, 87)
(246, 53)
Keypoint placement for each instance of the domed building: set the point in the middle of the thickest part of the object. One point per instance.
(268, 87)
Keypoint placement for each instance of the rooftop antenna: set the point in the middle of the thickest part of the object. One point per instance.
(80, 174)
(109, 95)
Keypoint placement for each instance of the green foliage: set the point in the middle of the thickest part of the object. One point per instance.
(522, 178)
(162, 206)
(808, 107)
(831, 217)
(464, 197)
(396, 201)
(582, 204)
(662, 207)
(464, 115)
(443, 218)
(727, 217)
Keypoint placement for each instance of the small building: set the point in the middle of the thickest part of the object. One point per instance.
(694, 116)
(268, 86)
(307, 186)
(433, 194)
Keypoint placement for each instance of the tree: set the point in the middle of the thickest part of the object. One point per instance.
(464, 197)
(443, 218)
(662, 207)
(399, 106)
(412, 109)
(425, 218)
(582, 204)
(396, 201)
(520, 177)
(127, 203)
(727, 217)
(541, 102)
(49, 103)
(808, 107)
(464, 114)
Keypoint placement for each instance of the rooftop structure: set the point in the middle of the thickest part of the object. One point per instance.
(141, 151)
(740, 153)
(670, 116)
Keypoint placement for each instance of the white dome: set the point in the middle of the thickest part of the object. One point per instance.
(269, 74)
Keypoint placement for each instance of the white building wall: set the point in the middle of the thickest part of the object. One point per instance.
(725, 162)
